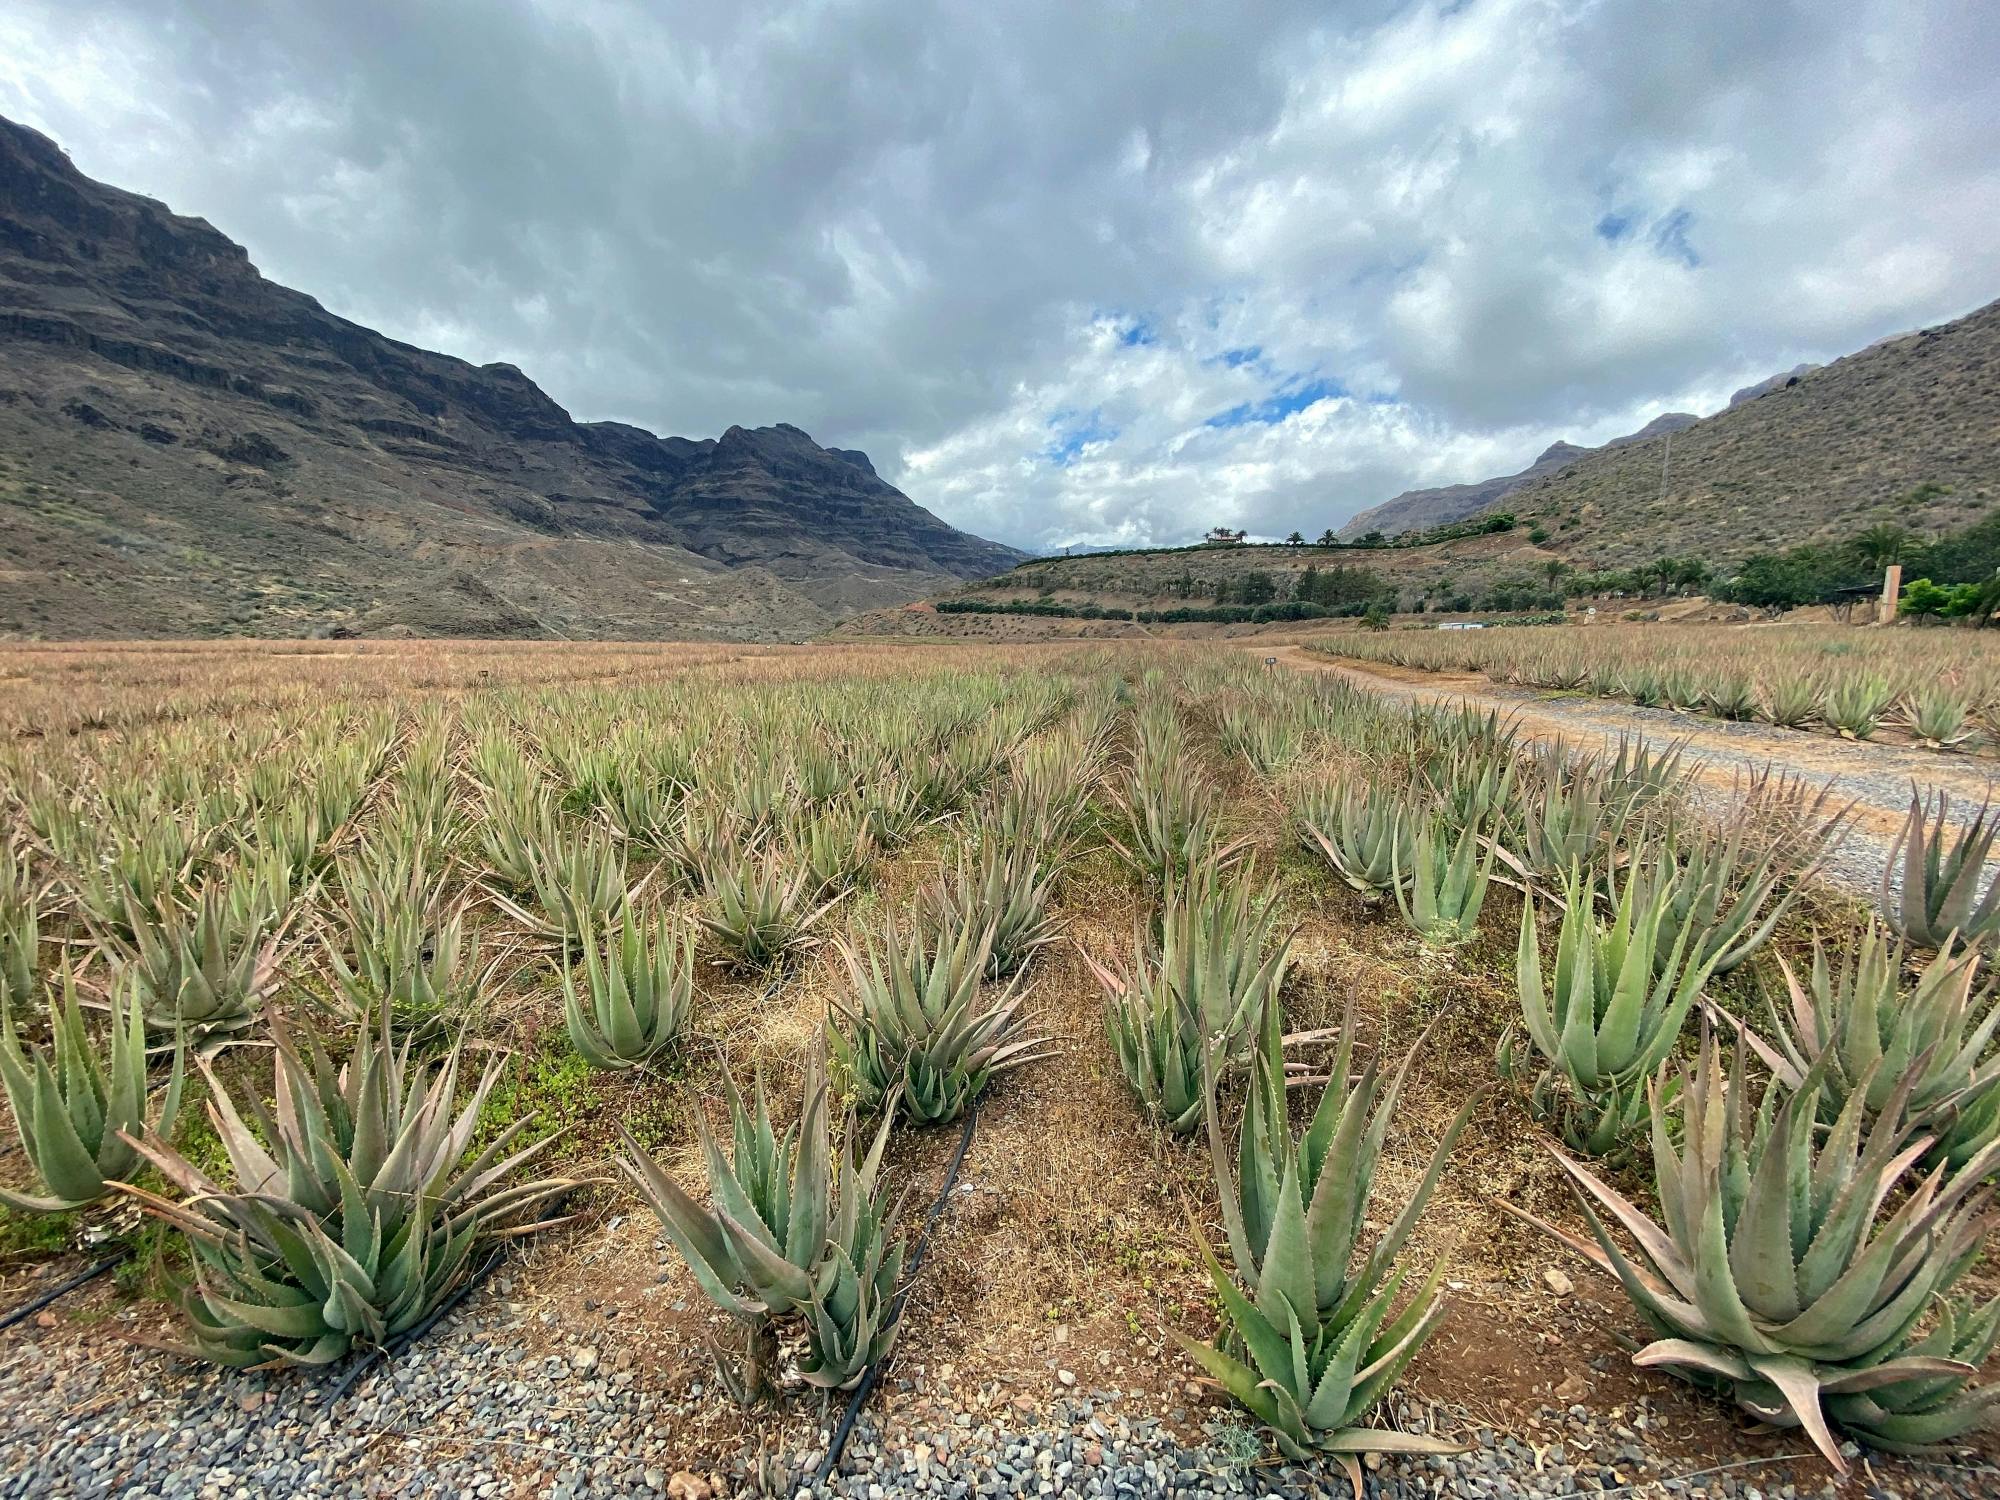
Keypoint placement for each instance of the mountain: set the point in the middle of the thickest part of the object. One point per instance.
(187, 448)
(1905, 431)
(1417, 510)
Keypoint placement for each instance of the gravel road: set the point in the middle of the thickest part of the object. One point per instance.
(1876, 778)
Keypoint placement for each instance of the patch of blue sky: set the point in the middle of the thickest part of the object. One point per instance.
(1294, 396)
(1670, 237)
(1076, 431)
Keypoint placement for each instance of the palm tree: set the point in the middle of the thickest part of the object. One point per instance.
(1882, 544)
(1328, 539)
(1295, 540)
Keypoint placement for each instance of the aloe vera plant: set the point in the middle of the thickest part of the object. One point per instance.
(835, 839)
(1203, 986)
(20, 933)
(787, 1232)
(1572, 820)
(1720, 893)
(1312, 1336)
(1608, 1020)
(75, 1108)
(1854, 705)
(1925, 1047)
(1730, 695)
(416, 968)
(1170, 814)
(914, 1027)
(1267, 742)
(1446, 886)
(1931, 883)
(1793, 700)
(577, 881)
(1007, 886)
(354, 1204)
(1795, 1270)
(756, 912)
(1938, 718)
(1475, 787)
(1363, 834)
(517, 826)
(200, 971)
(640, 986)
(397, 946)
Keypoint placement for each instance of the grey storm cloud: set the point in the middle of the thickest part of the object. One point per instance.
(1078, 271)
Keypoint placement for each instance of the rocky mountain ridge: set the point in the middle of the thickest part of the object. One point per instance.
(188, 448)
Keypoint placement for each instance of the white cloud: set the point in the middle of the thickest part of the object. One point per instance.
(1020, 253)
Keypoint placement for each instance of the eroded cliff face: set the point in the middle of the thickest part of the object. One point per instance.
(188, 448)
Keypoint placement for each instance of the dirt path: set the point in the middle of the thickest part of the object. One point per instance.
(1877, 779)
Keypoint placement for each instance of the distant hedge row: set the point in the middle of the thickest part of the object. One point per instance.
(1193, 614)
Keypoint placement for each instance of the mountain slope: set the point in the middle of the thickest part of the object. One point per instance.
(1905, 431)
(187, 448)
(1416, 510)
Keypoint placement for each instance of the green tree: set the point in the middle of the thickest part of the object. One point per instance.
(1883, 544)
(1327, 538)
(1296, 539)
(1256, 587)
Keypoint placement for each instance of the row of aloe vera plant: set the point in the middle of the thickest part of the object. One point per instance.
(1942, 689)
(1812, 1246)
(1315, 1327)
(800, 1226)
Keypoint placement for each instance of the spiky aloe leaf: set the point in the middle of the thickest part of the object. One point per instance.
(75, 1108)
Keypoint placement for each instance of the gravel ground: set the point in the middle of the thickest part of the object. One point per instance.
(467, 1412)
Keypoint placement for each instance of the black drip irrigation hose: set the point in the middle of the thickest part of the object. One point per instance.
(840, 1434)
(36, 1304)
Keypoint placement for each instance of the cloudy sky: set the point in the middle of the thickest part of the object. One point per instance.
(1078, 271)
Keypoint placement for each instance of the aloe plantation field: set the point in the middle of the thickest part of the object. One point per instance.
(1131, 1070)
